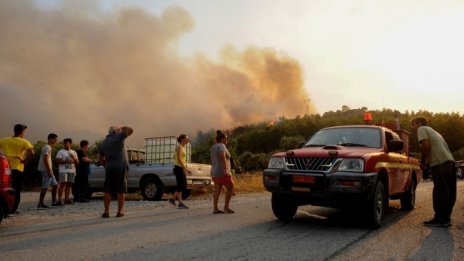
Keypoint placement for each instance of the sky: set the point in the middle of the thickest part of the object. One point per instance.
(171, 67)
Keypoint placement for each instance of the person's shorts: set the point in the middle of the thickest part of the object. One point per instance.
(181, 180)
(226, 180)
(47, 180)
(67, 177)
(115, 181)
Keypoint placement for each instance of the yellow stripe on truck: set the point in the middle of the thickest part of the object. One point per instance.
(395, 165)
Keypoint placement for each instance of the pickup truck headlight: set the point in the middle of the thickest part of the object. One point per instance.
(355, 165)
(276, 163)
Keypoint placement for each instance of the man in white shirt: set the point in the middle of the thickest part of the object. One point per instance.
(66, 158)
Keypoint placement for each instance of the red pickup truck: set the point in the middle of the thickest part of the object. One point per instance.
(7, 193)
(344, 167)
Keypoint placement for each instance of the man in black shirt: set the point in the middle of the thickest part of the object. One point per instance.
(83, 171)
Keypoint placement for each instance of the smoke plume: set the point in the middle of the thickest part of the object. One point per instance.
(76, 72)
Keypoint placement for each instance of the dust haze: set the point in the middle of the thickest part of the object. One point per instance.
(75, 71)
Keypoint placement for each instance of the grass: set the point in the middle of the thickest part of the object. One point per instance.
(247, 182)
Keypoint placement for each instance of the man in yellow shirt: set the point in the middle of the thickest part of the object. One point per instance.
(17, 150)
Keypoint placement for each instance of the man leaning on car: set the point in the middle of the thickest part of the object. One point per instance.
(17, 150)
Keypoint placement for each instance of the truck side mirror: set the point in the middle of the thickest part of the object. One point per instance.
(396, 146)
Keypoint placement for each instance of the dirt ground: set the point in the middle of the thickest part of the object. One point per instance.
(28, 212)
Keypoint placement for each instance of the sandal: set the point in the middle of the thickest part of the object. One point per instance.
(229, 211)
(218, 212)
(120, 215)
(105, 215)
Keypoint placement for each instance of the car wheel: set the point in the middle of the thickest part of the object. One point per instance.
(2, 213)
(408, 199)
(377, 206)
(186, 193)
(152, 189)
(283, 206)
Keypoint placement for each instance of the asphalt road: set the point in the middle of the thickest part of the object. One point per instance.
(155, 231)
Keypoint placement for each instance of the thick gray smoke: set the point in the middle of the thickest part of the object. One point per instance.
(75, 72)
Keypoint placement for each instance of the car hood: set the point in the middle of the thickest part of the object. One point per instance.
(329, 151)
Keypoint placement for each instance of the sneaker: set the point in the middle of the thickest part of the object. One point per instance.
(172, 202)
(57, 204)
(182, 206)
(42, 206)
(436, 223)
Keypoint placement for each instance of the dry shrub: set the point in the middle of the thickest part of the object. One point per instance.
(249, 182)
(246, 182)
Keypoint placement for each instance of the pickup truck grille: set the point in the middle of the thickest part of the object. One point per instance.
(311, 164)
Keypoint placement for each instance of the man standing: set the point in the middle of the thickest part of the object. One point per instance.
(83, 171)
(66, 158)
(14, 149)
(46, 169)
(435, 152)
(113, 157)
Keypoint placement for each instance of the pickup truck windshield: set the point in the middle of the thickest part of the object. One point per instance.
(349, 137)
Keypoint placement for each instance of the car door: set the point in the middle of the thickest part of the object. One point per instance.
(397, 170)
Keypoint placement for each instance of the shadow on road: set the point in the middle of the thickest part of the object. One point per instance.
(355, 218)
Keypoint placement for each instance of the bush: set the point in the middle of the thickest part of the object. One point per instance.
(253, 162)
(290, 142)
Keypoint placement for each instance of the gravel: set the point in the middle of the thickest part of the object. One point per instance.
(29, 214)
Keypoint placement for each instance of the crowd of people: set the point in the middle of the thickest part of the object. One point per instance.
(74, 169)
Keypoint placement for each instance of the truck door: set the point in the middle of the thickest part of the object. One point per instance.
(398, 173)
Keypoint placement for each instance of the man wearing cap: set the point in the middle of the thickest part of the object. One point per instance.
(17, 150)
(113, 157)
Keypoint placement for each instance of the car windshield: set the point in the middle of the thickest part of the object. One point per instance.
(350, 137)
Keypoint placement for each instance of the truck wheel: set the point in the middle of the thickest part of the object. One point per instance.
(152, 189)
(283, 206)
(376, 206)
(408, 199)
(186, 193)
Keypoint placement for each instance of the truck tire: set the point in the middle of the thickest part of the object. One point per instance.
(151, 189)
(408, 199)
(376, 206)
(283, 206)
